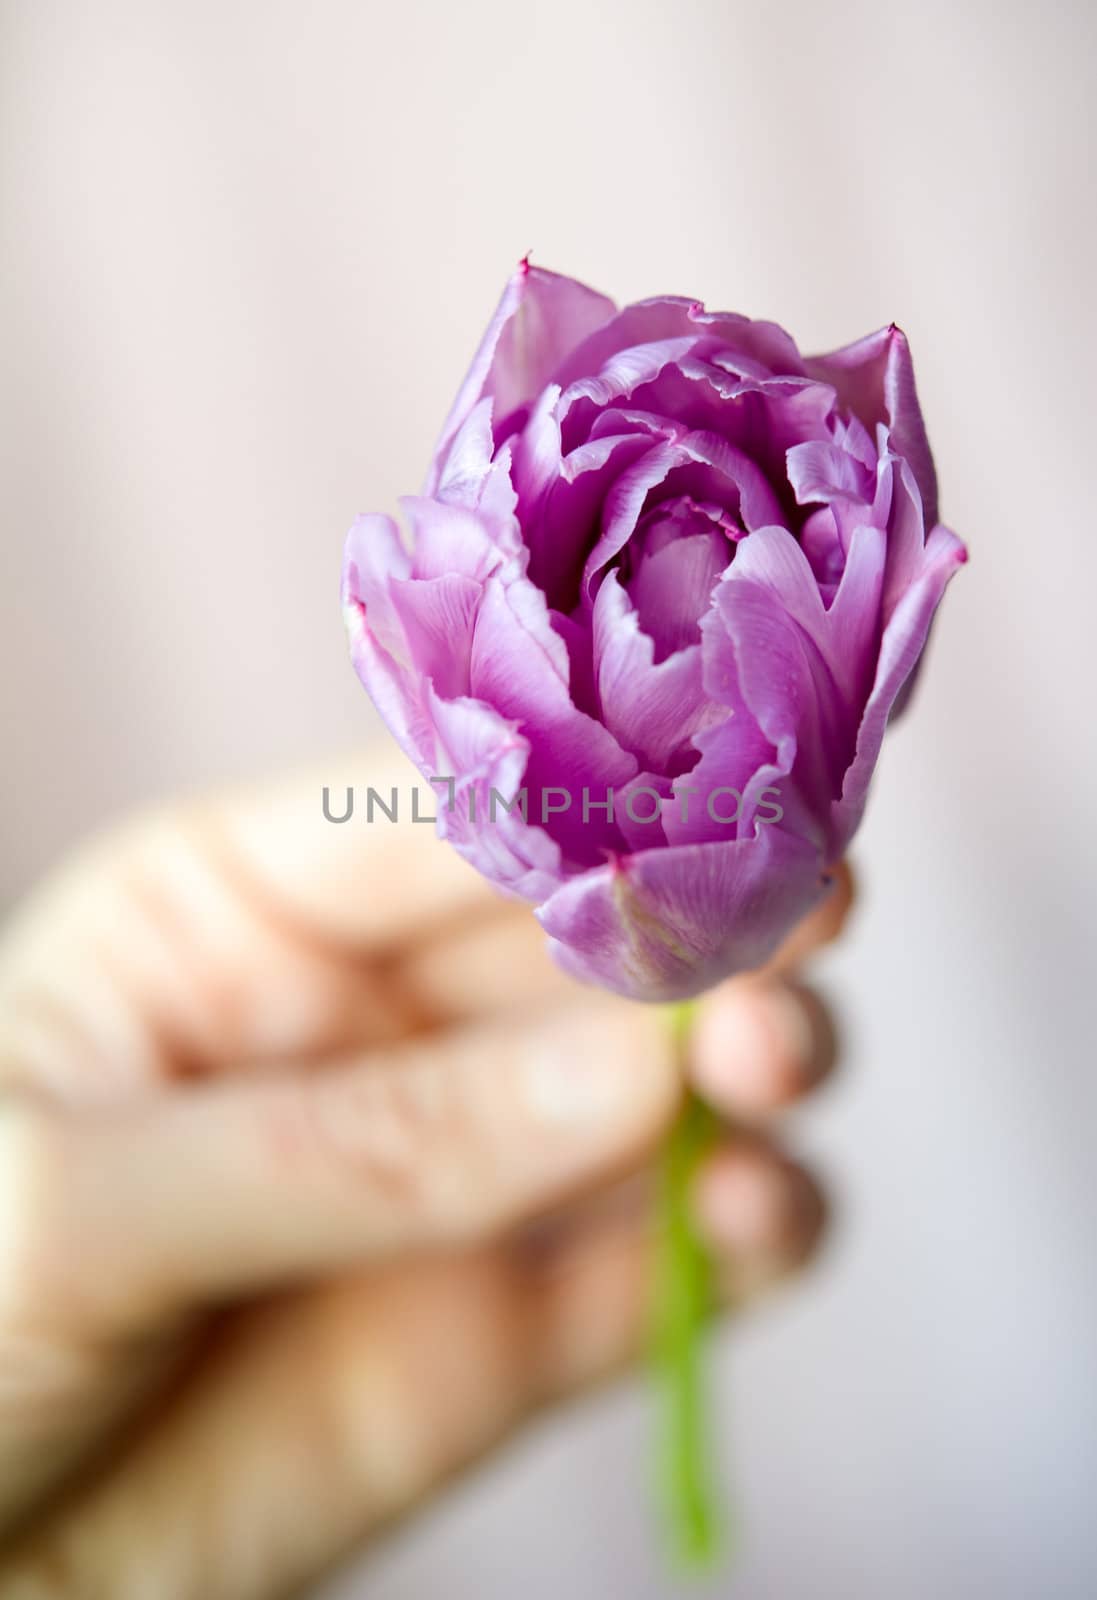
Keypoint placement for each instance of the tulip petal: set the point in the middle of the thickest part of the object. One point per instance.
(665, 924)
(540, 319)
(794, 676)
(705, 467)
(438, 616)
(561, 529)
(520, 666)
(652, 709)
(759, 349)
(671, 586)
(875, 379)
(452, 538)
(638, 808)
(478, 762)
(903, 641)
(378, 644)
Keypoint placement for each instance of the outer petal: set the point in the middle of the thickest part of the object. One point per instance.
(438, 616)
(805, 671)
(451, 538)
(795, 677)
(468, 459)
(373, 557)
(669, 923)
(411, 644)
(875, 380)
(903, 642)
(373, 554)
(540, 319)
(485, 756)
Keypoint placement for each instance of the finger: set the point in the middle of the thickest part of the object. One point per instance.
(242, 930)
(762, 1211)
(759, 1043)
(316, 1419)
(762, 1215)
(115, 1218)
(372, 882)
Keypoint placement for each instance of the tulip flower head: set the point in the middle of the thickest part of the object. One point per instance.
(665, 584)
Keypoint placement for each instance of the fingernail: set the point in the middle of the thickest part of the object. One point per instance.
(751, 1204)
(790, 1025)
(740, 1203)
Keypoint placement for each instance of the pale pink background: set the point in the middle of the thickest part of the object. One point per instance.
(247, 250)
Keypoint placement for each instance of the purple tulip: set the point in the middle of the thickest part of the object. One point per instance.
(666, 582)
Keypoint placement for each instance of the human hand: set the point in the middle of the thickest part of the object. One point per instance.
(317, 1179)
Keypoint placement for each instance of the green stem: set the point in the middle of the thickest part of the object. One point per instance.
(683, 1298)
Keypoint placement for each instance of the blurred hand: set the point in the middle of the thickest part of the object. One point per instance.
(317, 1179)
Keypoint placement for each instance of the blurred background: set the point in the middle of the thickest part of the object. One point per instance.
(247, 251)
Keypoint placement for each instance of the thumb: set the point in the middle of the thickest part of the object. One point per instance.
(109, 1219)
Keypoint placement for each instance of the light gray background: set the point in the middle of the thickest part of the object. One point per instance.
(248, 248)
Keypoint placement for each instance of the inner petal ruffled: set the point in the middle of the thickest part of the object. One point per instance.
(653, 709)
(649, 472)
(670, 566)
